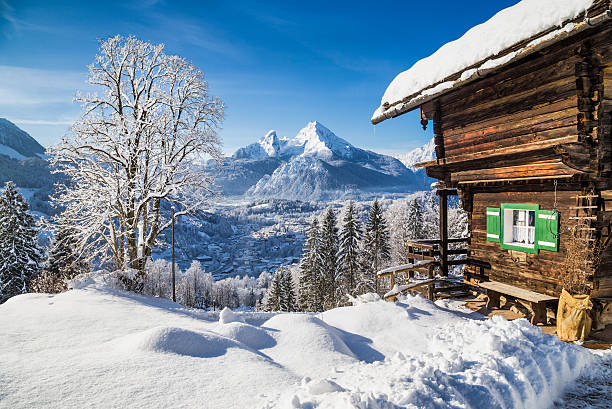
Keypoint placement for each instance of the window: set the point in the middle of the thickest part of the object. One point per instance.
(519, 227)
(523, 227)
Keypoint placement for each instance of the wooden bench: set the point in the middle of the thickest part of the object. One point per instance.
(538, 301)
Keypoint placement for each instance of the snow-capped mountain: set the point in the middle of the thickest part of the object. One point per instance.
(425, 153)
(16, 143)
(268, 146)
(315, 164)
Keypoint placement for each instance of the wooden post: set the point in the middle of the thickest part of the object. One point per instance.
(443, 193)
(431, 287)
(173, 274)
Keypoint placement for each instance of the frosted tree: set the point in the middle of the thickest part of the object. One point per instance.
(134, 150)
(62, 259)
(275, 292)
(397, 213)
(431, 217)
(329, 259)
(190, 287)
(62, 262)
(414, 222)
(20, 253)
(159, 280)
(376, 250)
(310, 271)
(348, 252)
(288, 294)
(457, 222)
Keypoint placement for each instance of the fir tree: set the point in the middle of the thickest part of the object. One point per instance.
(20, 254)
(288, 293)
(414, 222)
(62, 262)
(329, 259)
(310, 271)
(376, 251)
(251, 299)
(431, 218)
(275, 292)
(348, 252)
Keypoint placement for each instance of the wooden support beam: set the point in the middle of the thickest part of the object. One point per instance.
(443, 232)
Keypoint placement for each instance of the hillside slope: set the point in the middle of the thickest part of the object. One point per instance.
(16, 142)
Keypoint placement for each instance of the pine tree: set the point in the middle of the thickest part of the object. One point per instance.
(275, 292)
(62, 262)
(20, 253)
(431, 217)
(288, 292)
(414, 222)
(329, 259)
(348, 252)
(310, 271)
(376, 251)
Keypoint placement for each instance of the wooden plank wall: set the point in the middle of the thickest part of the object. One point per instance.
(534, 101)
(601, 44)
(564, 92)
(536, 272)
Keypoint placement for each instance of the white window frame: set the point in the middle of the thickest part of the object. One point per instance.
(508, 215)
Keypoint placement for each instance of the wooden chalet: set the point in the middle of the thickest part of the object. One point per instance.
(524, 136)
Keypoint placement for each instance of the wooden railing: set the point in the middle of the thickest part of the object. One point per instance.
(424, 257)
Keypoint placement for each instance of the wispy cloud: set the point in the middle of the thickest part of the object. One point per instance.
(7, 19)
(32, 86)
(194, 34)
(40, 122)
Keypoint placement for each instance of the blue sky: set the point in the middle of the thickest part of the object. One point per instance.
(277, 65)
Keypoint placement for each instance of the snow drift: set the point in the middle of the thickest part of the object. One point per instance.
(96, 347)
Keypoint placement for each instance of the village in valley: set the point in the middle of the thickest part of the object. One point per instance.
(210, 205)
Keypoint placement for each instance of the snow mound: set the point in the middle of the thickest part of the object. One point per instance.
(323, 386)
(249, 335)
(320, 346)
(227, 315)
(177, 341)
(364, 298)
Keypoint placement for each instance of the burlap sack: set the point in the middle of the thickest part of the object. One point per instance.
(573, 319)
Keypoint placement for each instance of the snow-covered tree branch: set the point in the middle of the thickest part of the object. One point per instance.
(136, 146)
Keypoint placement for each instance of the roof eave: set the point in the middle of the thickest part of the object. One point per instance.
(418, 99)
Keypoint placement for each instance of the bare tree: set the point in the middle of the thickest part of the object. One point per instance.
(136, 145)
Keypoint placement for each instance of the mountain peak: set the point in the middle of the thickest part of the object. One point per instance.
(422, 154)
(317, 140)
(270, 143)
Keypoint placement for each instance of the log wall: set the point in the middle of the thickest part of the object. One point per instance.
(506, 137)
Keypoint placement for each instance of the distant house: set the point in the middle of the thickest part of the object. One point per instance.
(521, 108)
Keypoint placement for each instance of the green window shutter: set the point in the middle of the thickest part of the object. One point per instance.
(493, 224)
(547, 230)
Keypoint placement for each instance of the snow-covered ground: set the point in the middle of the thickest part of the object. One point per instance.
(96, 347)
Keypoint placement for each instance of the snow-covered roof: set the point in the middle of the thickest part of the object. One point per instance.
(502, 39)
